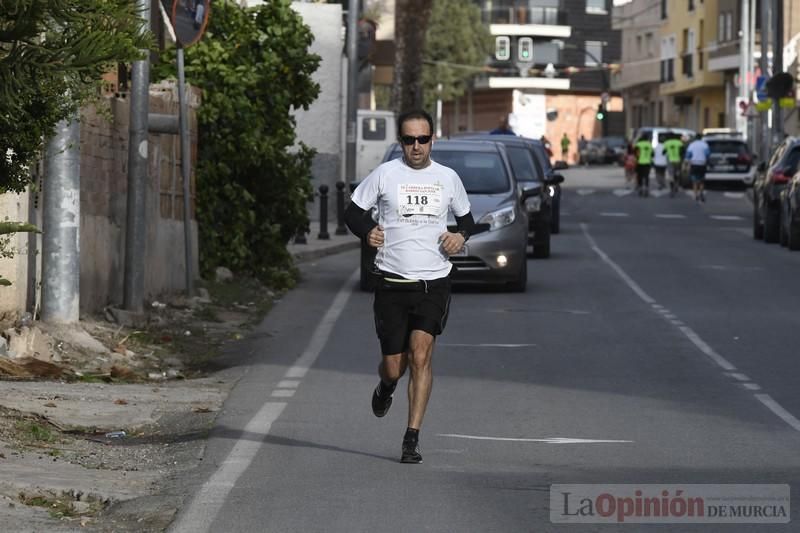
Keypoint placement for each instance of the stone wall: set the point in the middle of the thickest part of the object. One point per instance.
(104, 176)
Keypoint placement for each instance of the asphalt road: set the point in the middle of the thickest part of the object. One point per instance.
(656, 346)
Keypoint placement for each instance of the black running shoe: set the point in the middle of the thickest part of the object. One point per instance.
(380, 402)
(411, 453)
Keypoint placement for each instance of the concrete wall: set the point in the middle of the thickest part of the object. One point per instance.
(103, 164)
(321, 125)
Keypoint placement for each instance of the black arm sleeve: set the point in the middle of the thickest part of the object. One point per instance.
(358, 221)
(466, 224)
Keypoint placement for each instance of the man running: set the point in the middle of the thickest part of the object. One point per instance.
(413, 196)
(697, 154)
(644, 160)
(673, 147)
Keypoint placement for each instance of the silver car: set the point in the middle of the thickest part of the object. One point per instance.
(497, 252)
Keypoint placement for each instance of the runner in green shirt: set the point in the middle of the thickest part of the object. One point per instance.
(673, 148)
(644, 160)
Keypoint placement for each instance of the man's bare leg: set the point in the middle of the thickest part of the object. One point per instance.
(421, 382)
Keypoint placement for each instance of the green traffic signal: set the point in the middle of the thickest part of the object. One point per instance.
(601, 112)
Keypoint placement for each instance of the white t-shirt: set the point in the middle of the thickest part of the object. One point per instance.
(659, 157)
(412, 208)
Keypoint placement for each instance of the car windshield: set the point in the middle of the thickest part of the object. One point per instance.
(480, 172)
(522, 163)
(728, 147)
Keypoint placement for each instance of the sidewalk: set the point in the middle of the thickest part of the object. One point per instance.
(316, 247)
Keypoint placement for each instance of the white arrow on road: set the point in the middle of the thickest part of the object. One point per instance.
(547, 440)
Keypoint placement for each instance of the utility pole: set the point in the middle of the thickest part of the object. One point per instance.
(745, 61)
(764, 64)
(352, 91)
(135, 226)
(61, 267)
(777, 68)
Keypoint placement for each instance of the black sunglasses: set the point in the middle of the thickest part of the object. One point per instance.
(409, 140)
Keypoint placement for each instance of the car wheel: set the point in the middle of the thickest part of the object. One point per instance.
(793, 238)
(541, 244)
(555, 216)
(521, 283)
(772, 225)
(758, 226)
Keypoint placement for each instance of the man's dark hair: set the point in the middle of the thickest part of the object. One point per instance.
(413, 115)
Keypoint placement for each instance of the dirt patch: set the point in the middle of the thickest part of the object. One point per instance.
(130, 408)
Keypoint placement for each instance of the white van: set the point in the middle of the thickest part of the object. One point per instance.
(376, 131)
(656, 134)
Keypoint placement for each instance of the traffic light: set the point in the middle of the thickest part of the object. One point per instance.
(502, 48)
(601, 112)
(525, 49)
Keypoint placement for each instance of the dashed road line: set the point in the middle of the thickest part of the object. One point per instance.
(727, 217)
(619, 214)
(694, 338)
(669, 215)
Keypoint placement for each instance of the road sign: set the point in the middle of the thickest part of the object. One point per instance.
(761, 88)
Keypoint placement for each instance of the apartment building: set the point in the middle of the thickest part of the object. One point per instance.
(549, 73)
(695, 95)
(639, 78)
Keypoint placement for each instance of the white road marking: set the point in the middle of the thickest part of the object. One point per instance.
(486, 345)
(776, 408)
(585, 192)
(613, 214)
(751, 386)
(669, 215)
(622, 192)
(739, 376)
(701, 345)
(737, 195)
(288, 384)
(726, 217)
(202, 511)
(283, 393)
(548, 440)
(658, 193)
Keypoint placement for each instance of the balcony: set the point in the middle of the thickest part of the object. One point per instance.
(545, 20)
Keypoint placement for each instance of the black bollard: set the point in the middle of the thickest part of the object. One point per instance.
(323, 213)
(341, 229)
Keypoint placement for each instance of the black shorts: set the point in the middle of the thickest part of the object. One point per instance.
(401, 307)
(697, 172)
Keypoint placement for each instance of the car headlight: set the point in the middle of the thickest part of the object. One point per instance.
(500, 218)
(533, 204)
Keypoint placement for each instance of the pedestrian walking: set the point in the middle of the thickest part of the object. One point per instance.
(630, 167)
(644, 160)
(660, 165)
(413, 196)
(565, 142)
(697, 154)
(673, 147)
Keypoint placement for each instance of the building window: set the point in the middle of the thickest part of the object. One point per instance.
(546, 52)
(691, 5)
(728, 26)
(648, 43)
(594, 53)
(638, 45)
(721, 28)
(663, 9)
(596, 7)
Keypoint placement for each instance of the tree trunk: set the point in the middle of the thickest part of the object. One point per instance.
(411, 23)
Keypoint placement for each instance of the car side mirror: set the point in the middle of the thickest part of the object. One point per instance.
(560, 165)
(555, 179)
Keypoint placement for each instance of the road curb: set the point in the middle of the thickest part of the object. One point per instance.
(303, 256)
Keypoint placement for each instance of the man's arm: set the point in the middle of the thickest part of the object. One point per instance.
(358, 221)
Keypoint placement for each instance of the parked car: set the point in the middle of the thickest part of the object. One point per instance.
(790, 214)
(730, 161)
(526, 157)
(772, 178)
(497, 252)
(616, 147)
(593, 152)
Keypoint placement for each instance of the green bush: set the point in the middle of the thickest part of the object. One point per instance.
(253, 181)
